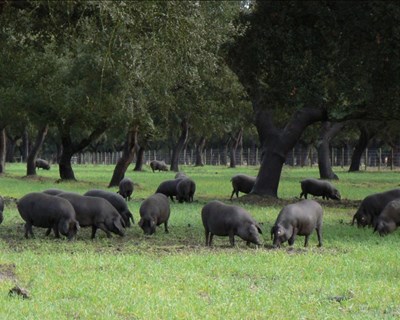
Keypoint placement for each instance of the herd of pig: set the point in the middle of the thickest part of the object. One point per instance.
(66, 212)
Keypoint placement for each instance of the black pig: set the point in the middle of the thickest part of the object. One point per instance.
(158, 165)
(47, 211)
(126, 188)
(299, 218)
(242, 183)
(42, 164)
(372, 206)
(117, 201)
(389, 219)
(319, 188)
(95, 212)
(226, 220)
(154, 211)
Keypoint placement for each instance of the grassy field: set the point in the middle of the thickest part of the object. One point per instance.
(355, 275)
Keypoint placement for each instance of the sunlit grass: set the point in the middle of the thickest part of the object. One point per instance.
(174, 276)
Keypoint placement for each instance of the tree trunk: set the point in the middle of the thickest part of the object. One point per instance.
(2, 151)
(276, 143)
(179, 146)
(139, 159)
(199, 152)
(328, 131)
(128, 153)
(363, 140)
(65, 167)
(30, 162)
(69, 149)
(25, 145)
(235, 142)
(10, 148)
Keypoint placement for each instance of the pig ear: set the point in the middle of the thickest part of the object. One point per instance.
(63, 226)
(118, 223)
(122, 222)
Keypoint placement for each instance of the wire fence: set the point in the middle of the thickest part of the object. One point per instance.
(372, 157)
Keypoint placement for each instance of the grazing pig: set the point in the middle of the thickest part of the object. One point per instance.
(180, 175)
(389, 219)
(126, 188)
(299, 218)
(95, 212)
(319, 188)
(168, 188)
(47, 211)
(53, 192)
(153, 212)
(158, 165)
(1, 209)
(242, 183)
(372, 206)
(117, 201)
(43, 164)
(225, 220)
(185, 190)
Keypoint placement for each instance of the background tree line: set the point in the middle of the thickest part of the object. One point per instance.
(133, 75)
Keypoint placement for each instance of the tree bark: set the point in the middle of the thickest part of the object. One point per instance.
(199, 152)
(2, 150)
(10, 148)
(25, 145)
(180, 144)
(30, 162)
(65, 167)
(139, 159)
(69, 149)
(363, 140)
(128, 153)
(235, 141)
(276, 143)
(328, 131)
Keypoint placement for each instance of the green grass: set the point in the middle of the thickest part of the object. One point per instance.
(174, 276)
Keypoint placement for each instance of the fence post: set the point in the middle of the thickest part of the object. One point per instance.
(391, 162)
(256, 162)
(311, 157)
(342, 158)
(293, 164)
(380, 159)
(366, 158)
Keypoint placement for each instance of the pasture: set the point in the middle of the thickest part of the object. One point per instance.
(355, 275)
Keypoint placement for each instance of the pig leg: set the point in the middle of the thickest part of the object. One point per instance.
(207, 233)
(319, 237)
(292, 238)
(47, 232)
(210, 239)
(306, 240)
(232, 238)
(94, 229)
(103, 227)
(28, 229)
(233, 192)
(56, 233)
(166, 227)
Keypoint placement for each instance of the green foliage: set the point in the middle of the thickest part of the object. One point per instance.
(341, 56)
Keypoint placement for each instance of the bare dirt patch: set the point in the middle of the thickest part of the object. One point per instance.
(271, 201)
(7, 272)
